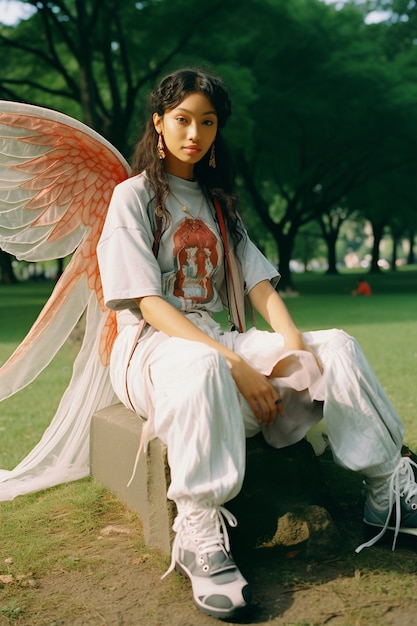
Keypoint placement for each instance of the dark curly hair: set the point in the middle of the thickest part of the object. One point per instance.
(218, 182)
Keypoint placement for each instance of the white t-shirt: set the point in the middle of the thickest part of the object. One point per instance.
(189, 268)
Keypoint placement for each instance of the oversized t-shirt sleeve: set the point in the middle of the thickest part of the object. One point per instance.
(127, 264)
(255, 265)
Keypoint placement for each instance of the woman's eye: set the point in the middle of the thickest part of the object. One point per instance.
(181, 119)
(208, 122)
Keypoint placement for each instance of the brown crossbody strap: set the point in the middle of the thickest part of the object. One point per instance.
(232, 282)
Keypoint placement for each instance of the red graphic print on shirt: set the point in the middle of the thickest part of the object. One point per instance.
(195, 250)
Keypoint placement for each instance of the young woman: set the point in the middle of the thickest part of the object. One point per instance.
(173, 253)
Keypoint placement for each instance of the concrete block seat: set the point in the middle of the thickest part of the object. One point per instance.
(114, 443)
(274, 480)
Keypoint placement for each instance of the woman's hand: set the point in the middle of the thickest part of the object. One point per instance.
(262, 397)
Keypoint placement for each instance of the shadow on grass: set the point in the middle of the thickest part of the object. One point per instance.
(286, 579)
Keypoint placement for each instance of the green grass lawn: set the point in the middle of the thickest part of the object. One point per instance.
(24, 416)
(385, 325)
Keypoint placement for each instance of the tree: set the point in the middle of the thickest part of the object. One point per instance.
(388, 201)
(397, 36)
(95, 59)
(402, 220)
(308, 110)
(411, 259)
(309, 246)
(7, 275)
(323, 97)
(331, 221)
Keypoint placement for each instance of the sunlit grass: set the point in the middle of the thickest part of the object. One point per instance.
(384, 324)
(56, 530)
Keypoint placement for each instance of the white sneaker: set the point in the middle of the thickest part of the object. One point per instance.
(400, 516)
(201, 551)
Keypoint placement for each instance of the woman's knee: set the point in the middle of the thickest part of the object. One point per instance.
(331, 339)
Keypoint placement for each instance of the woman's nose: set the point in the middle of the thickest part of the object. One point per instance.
(193, 133)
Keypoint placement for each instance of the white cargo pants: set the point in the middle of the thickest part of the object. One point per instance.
(186, 393)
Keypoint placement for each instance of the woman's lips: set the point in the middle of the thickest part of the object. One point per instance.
(191, 149)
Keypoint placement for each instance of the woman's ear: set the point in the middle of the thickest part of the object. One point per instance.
(157, 122)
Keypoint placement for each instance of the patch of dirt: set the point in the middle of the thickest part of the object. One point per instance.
(111, 578)
(114, 580)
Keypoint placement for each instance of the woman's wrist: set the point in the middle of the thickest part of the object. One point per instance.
(290, 333)
(293, 340)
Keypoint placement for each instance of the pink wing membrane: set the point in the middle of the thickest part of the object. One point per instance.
(65, 176)
(56, 180)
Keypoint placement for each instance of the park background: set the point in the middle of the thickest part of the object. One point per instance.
(323, 133)
(324, 124)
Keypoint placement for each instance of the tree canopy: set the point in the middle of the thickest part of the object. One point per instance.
(323, 102)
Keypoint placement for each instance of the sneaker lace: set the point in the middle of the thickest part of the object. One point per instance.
(402, 484)
(208, 526)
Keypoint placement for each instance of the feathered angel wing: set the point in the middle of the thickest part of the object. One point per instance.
(56, 179)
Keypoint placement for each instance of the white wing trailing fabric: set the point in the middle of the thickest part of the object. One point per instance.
(56, 179)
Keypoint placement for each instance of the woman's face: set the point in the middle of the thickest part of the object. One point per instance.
(188, 131)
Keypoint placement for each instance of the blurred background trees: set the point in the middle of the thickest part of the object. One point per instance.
(324, 123)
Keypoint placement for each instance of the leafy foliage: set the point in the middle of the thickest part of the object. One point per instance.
(324, 103)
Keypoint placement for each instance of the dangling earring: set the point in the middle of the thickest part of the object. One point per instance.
(212, 159)
(161, 151)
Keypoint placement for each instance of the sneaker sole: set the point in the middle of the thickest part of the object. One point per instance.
(232, 614)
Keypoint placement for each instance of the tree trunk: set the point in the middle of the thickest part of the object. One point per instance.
(285, 245)
(59, 268)
(395, 241)
(330, 222)
(378, 231)
(411, 256)
(331, 253)
(7, 275)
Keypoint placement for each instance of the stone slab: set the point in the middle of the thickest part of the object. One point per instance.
(114, 442)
